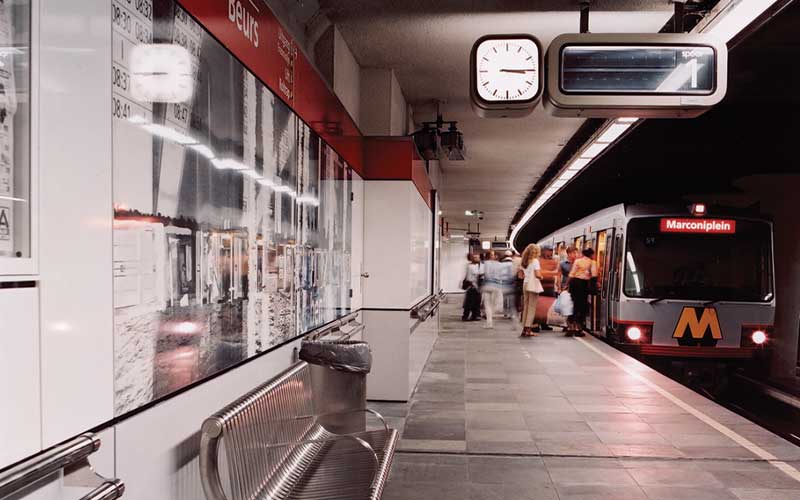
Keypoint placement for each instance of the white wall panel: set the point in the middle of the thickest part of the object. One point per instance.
(388, 335)
(420, 240)
(19, 374)
(157, 450)
(75, 192)
(387, 226)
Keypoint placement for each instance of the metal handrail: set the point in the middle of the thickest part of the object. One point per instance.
(331, 327)
(74, 454)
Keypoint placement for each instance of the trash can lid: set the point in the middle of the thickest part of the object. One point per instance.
(352, 356)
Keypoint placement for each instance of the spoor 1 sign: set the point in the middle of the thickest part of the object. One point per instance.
(705, 226)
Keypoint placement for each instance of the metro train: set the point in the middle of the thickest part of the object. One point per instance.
(679, 283)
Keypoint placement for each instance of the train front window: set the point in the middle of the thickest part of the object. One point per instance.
(734, 266)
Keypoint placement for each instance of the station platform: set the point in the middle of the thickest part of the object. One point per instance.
(496, 416)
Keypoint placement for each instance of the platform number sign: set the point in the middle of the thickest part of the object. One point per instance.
(506, 75)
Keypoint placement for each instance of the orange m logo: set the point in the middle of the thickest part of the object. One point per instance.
(698, 328)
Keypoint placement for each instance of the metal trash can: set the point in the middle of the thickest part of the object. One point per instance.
(339, 380)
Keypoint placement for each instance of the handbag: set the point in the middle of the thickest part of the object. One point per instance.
(466, 284)
(534, 285)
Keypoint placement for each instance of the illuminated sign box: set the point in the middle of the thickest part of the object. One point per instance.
(696, 226)
(647, 75)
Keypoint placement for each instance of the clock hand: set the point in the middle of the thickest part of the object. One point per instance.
(518, 71)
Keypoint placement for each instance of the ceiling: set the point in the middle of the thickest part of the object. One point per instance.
(753, 132)
(427, 43)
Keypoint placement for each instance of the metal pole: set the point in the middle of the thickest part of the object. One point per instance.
(677, 18)
(585, 16)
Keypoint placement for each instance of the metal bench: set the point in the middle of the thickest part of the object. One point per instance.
(275, 448)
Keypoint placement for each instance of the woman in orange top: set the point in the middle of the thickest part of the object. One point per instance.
(580, 279)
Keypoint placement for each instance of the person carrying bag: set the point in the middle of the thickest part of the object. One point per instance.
(532, 287)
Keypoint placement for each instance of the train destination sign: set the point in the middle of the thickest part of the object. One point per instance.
(647, 75)
(705, 226)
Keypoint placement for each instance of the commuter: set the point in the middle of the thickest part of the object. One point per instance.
(532, 287)
(497, 278)
(519, 274)
(549, 276)
(510, 288)
(565, 267)
(581, 277)
(472, 298)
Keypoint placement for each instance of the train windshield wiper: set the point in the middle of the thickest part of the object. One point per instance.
(710, 302)
(659, 299)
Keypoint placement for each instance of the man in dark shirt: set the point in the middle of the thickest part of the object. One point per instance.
(565, 267)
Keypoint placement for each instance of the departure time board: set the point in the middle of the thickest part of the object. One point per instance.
(654, 69)
(643, 75)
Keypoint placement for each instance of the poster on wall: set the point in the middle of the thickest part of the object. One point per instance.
(229, 239)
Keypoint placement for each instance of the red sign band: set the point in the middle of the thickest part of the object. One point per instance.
(705, 226)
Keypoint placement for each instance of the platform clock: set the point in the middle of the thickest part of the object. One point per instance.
(506, 75)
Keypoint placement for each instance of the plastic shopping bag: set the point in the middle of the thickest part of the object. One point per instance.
(564, 305)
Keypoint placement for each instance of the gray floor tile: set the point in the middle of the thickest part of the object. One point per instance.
(512, 492)
(765, 494)
(507, 470)
(681, 493)
(595, 492)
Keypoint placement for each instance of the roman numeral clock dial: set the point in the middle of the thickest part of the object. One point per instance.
(506, 77)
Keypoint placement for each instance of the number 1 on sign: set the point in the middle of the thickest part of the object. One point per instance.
(693, 68)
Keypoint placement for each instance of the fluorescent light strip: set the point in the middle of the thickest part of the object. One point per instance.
(229, 164)
(204, 150)
(11, 198)
(170, 134)
(593, 150)
(568, 174)
(613, 132)
(737, 17)
(579, 163)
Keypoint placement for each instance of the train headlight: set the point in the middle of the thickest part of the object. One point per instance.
(634, 333)
(759, 337)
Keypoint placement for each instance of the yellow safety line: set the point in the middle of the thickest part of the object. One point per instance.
(727, 431)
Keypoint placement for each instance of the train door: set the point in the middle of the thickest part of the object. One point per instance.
(615, 277)
(598, 243)
(579, 243)
(605, 251)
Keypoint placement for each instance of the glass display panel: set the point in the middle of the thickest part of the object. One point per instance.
(232, 217)
(731, 266)
(667, 70)
(15, 112)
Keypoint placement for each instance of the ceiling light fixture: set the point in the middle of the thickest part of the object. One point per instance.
(734, 17)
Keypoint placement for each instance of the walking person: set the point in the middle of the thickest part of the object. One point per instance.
(472, 298)
(498, 277)
(532, 287)
(509, 288)
(581, 277)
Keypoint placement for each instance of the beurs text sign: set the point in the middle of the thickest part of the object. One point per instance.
(252, 33)
(244, 20)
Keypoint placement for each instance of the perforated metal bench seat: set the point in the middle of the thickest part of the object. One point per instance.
(269, 445)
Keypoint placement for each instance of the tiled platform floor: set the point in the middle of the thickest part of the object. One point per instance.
(499, 417)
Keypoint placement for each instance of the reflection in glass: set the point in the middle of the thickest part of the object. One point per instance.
(15, 190)
(232, 218)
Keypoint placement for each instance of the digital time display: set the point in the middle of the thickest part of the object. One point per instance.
(638, 69)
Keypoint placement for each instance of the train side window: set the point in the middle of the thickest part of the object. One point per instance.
(616, 267)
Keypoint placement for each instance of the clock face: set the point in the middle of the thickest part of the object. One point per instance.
(507, 69)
